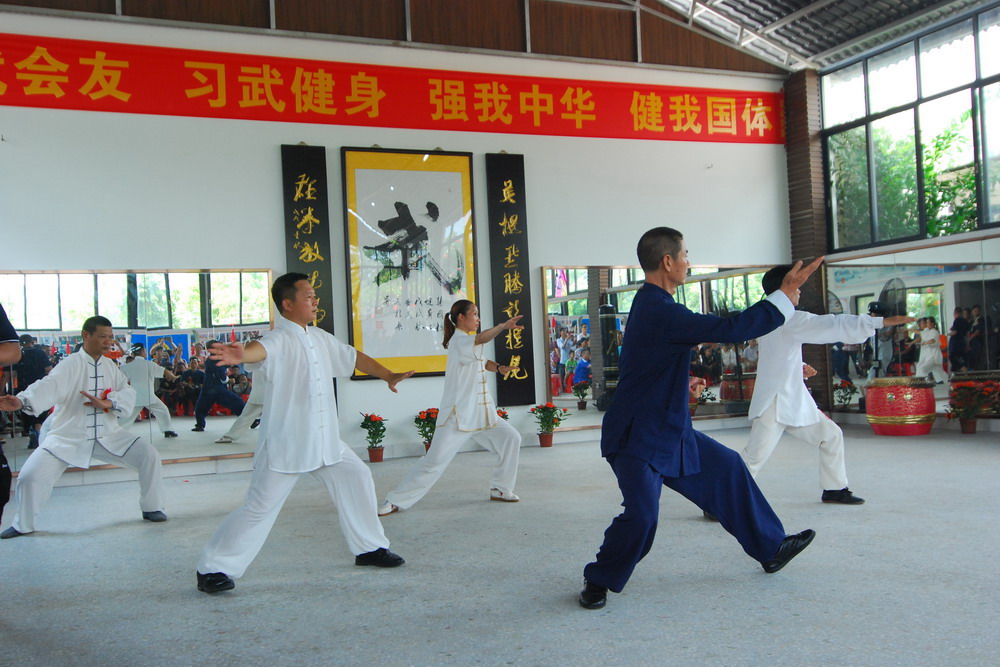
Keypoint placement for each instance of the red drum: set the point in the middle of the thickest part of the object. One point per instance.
(900, 405)
(729, 390)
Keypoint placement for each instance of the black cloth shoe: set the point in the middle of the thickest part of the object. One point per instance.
(790, 547)
(198, 428)
(709, 516)
(593, 596)
(255, 424)
(155, 517)
(215, 582)
(843, 496)
(11, 532)
(169, 434)
(379, 558)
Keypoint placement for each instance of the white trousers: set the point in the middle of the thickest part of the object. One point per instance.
(242, 534)
(930, 365)
(41, 471)
(503, 440)
(158, 410)
(241, 426)
(766, 431)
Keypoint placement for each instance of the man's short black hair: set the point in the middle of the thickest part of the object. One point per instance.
(284, 288)
(771, 282)
(655, 244)
(91, 324)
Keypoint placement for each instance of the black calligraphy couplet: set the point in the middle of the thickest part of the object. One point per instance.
(306, 198)
(508, 222)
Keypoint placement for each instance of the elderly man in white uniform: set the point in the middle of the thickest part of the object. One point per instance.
(89, 393)
(299, 434)
(467, 410)
(781, 403)
(141, 374)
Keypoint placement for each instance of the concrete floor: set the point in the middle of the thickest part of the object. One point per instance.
(908, 578)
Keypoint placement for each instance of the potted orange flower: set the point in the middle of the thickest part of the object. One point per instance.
(966, 400)
(548, 417)
(580, 390)
(375, 427)
(426, 423)
(503, 414)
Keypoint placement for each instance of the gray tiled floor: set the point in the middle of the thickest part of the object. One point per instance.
(908, 578)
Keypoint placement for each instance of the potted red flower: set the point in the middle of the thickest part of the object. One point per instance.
(426, 423)
(375, 428)
(548, 417)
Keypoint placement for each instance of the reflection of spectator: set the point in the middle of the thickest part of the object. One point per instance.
(165, 353)
(191, 381)
(34, 365)
(583, 373)
(976, 353)
(956, 342)
(751, 353)
(565, 344)
(10, 352)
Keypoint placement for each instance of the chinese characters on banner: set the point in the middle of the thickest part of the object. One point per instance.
(307, 223)
(508, 222)
(52, 73)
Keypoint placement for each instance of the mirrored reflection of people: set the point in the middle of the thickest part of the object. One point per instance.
(647, 436)
(467, 411)
(957, 342)
(32, 367)
(250, 416)
(215, 390)
(300, 434)
(781, 402)
(142, 373)
(976, 340)
(929, 360)
(89, 394)
(10, 353)
(583, 371)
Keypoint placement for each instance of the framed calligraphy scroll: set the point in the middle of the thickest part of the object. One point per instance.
(410, 251)
(508, 224)
(306, 196)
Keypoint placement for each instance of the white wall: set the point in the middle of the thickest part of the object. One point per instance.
(83, 190)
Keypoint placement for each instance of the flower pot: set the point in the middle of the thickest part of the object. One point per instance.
(900, 405)
(581, 405)
(375, 454)
(427, 445)
(968, 425)
(545, 439)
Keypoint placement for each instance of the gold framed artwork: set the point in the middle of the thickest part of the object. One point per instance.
(410, 251)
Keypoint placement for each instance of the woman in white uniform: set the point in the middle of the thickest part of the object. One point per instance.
(467, 410)
(930, 361)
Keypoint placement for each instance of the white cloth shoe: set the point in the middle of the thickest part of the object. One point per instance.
(502, 496)
(387, 508)
(224, 440)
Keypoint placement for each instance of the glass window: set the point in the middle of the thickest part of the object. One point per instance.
(949, 169)
(576, 307)
(843, 95)
(989, 43)
(12, 298)
(151, 304)
(848, 164)
(112, 297)
(947, 59)
(619, 277)
(925, 302)
(225, 299)
(690, 296)
(894, 153)
(625, 300)
(185, 300)
(892, 78)
(76, 300)
(42, 303)
(257, 298)
(991, 150)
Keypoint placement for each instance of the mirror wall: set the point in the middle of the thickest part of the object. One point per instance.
(161, 320)
(929, 279)
(576, 297)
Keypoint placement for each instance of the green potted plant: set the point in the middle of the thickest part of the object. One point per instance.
(374, 425)
(966, 400)
(426, 423)
(844, 393)
(548, 417)
(580, 390)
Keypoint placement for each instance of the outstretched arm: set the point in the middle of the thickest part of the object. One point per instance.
(490, 334)
(234, 354)
(369, 366)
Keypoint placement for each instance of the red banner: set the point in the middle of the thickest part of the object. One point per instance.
(52, 73)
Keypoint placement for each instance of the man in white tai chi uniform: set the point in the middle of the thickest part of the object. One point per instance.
(141, 373)
(299, 434)
(89, 393)
(781, 401)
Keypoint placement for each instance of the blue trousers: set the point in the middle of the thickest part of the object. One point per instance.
(224, 397)
(724, 487)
